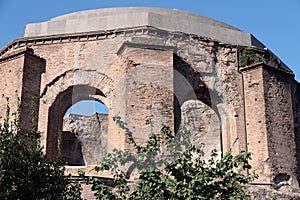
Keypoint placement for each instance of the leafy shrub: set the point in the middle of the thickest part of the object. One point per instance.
(169, 167)
(249, 56)
(25, 172)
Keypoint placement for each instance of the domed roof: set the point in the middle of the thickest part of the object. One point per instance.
(129, 17)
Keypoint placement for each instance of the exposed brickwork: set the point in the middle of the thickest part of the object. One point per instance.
(270, 125)
(11, 82)
(256, 122)
(254, 108)
(280, 127)
(264, 192)
(20, 80)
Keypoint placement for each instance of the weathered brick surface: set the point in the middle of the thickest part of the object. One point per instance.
(253, 108)
(268, 192)
(256, 122)
(280, 127)
(11, 82)
(20, 82)
(270, 125)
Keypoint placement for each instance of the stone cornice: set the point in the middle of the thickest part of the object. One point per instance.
(145, 46)
(266, 66)
(13, 47)
(88, 36)
(97, 35)
(17, 53)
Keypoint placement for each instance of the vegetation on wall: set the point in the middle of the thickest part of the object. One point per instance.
(250, 56)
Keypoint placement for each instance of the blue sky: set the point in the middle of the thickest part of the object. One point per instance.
(276, 23)
(87, 107)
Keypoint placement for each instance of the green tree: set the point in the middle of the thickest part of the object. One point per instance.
(25, 172)
(169, 167)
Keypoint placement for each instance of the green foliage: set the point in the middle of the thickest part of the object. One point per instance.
(275, 186)
(249, 56)
(271, 198)
(169, 167)
(25, 172)
(73, 191)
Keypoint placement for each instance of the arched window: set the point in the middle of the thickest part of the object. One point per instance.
(83, 140)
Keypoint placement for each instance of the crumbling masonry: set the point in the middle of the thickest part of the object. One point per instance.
(222, 83)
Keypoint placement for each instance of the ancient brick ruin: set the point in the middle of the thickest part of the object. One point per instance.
(229, 90)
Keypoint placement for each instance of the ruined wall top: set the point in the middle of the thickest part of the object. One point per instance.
(117, 18)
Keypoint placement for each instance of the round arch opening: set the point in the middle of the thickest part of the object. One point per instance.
(83, 139)
(76, 135)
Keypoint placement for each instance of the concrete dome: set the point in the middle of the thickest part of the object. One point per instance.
(120, 18)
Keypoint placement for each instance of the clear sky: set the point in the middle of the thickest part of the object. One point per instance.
(87, 107)
(276, 23)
